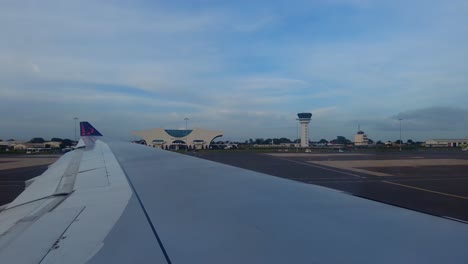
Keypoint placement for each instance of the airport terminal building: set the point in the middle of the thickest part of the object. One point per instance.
(196, 138)
(451, 143)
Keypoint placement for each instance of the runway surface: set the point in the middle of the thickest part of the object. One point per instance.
(418, 180)
(16, 169)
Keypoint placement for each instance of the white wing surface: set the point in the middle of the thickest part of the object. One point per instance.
(117, 202)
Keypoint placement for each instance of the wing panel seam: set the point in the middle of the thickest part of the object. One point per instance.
(61, 235)
(148, 219)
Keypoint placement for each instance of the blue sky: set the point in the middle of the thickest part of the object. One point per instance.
(242, 67)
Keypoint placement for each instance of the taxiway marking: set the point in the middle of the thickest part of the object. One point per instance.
(426, 190)
(320, 167)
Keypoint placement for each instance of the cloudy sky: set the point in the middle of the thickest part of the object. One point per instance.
(244, 67)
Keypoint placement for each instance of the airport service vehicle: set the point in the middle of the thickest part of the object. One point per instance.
(119, 202)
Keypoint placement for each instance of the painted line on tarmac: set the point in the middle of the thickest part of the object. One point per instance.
(320, 167)
(429, 179)
(337, 182)
(347, 181)
(328, 178)
(427, 190)
(455, 219)
(11, 181)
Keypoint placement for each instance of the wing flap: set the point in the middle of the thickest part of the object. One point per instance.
(37, 242)
(105, 193)
(10, 217)
(38, 216)
(58, 179)
(91, 179)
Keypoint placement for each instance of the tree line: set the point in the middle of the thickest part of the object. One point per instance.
(38, 140)
(339, 140)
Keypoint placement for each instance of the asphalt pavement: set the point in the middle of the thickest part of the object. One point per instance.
(437, 190)
(440, 190)
(15, 169)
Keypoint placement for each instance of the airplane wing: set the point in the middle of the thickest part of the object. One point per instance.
(118, 202)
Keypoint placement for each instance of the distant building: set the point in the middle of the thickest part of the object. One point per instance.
(451, 143)
(26, 145)
(11, 143)
(360, 139)
(304, 120)
(3, 146)
(196, 138)
(52, 144)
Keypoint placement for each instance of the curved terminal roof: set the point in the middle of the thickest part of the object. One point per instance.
(161, 136)
(178, 132)
(304, 115)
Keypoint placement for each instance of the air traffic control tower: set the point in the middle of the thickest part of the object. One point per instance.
(304, 120)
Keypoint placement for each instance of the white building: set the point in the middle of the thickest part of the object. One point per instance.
(360, 139)
(451, 143)
(196, 138)
(11, 143)
(304, 120)
(45, 145)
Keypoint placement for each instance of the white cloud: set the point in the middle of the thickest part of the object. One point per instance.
(229, 68)
(254, 25)
(271, 83)
(35, 68)
(325, 112)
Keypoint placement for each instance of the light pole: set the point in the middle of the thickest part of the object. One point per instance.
(296, 142)
(400, 132)
(186, 119)
(75, 118)
(297, 129)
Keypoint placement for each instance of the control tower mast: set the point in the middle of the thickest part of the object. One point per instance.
(304, 120)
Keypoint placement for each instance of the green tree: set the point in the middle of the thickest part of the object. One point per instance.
(282, 140)
(37, 140)
(410, 142)
(259, 141)
(66, 143)
(342, 140)
(56, 139)
(323, 141)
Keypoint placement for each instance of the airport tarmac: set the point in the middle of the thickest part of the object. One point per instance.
(431, 182)
(16, 169)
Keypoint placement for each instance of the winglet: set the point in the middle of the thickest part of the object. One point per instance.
(88, 130)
